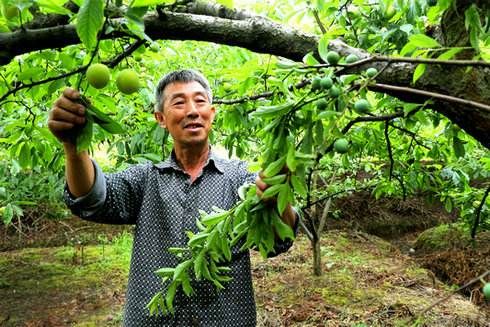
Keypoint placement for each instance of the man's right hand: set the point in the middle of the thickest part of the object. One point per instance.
(66, 116)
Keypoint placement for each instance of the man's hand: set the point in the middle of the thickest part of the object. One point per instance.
(66, 116)
(288, 216)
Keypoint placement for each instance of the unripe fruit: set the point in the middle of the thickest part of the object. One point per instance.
(154, 47)
(390, 12)
(98, 75)
(486, 291)
(333, 57)
(334, 91)
(11, 12)
(321, 104)
(371, 72)
(362, 106)
(341, 145)
(352, 58)
(315, 83)
(326, 83)
(127, 81)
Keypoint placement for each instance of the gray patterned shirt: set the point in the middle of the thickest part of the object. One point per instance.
(163, 203)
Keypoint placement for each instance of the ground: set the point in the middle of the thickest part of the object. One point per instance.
(75, 275)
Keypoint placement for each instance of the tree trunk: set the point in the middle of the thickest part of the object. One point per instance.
(317, 256)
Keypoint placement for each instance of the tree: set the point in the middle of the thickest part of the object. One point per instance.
(426, 57)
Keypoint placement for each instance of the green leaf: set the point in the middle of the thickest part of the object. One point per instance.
(458, 146)
(90, 19)
(272, 190)
(323, 47)
(275, 167)
(50, 6)
(419, 71)
(272, 111)
(226, 3)
(169, 297)
(299, 185)
(278, 179)
(449, 54)
(423, 41)
(25, 156)
(283, 199)
(146, 3)
(282, 229)
(84, 138)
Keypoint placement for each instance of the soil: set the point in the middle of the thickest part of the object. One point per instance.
(367, 281)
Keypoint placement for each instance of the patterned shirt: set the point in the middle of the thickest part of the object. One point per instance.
(163, 203)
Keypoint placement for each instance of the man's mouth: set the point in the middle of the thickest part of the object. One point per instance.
(193, 126)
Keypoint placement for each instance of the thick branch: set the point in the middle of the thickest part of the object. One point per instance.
(256, 34)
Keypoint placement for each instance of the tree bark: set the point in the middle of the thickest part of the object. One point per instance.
(261, 35)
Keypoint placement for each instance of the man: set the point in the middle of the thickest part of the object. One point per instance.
(162, 200)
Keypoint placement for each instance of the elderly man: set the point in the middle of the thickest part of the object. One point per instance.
(162, 200)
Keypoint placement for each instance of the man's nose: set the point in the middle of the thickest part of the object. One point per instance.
(192, 109)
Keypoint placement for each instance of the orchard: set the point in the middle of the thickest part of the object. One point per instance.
(311, 93)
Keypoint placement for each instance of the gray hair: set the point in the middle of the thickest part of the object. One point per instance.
(183, 76)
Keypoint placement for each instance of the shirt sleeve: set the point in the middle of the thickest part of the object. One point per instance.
(114, 198)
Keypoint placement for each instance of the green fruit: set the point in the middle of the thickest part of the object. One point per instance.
(352, 58)
(11, 12)
(321, 104)
(98, 75)
(326, 83)
(371, 72)
(362, 106)
(315, 83)
(127, 81)
(333, 57)
(486, 291)
(227, 86)
(154, 47)
(431, 3)
(334, 91)
(390, 12)
(341, 145)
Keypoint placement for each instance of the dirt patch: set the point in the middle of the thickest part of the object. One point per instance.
(449, 252)
(56, 232)
(388, 218)
(366, 282)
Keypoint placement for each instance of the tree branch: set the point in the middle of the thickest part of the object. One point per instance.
(388, 147)
(427, 94)
(478, 213)
(111, 63)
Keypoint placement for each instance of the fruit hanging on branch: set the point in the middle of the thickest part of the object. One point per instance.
(98, 75)
(127, 81)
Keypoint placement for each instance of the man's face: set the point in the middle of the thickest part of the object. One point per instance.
(187, 113)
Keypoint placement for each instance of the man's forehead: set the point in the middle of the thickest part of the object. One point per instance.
(176, 89)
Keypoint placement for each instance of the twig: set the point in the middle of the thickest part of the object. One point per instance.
(318, 21)
(245, 98)
(439, 96)
(388, 147)
(466, 63)
(478, 213)
(474, 280)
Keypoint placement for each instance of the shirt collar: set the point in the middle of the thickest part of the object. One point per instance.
(212, 161)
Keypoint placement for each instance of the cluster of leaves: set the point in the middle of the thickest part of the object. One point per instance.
(252, 223)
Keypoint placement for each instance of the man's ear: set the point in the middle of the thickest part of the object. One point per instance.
(213, 109)
(160, 117)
